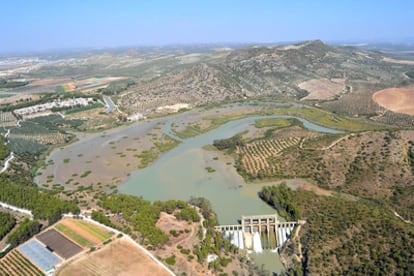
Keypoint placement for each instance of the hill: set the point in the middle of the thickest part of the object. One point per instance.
(344, 236)
(275, 71)
(375, 165)
(337, 78)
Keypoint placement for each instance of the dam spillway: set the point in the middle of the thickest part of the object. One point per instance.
(258, 232)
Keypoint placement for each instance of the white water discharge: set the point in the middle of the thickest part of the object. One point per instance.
(280, 239)
(257, 243)
(240, 236)
(235, 237)
(284, 234)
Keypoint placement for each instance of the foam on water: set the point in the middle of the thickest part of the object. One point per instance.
(235, 237)
(257, 243)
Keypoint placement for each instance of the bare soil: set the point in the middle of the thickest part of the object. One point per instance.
(399, 100)
(186, 240)
(314, 188)
(119, 257)
(322, 89)
(95, 83)
(59, 244)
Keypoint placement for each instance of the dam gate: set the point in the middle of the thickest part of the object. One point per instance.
(258, 232)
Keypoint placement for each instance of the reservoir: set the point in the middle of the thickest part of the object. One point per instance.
(181, 173)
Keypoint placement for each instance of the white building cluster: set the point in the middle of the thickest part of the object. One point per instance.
(76, 102)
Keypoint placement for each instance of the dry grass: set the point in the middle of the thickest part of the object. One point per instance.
(119, 257)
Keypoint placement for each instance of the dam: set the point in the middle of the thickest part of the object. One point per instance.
(258, 232)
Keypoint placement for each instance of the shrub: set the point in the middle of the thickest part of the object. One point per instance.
(170, 260)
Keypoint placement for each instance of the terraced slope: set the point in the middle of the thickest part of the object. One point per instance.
(257, 156)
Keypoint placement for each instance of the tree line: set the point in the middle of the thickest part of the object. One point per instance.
(43, 204)
(281, 199)
(25, 230)
(7, 222)
(229, 143)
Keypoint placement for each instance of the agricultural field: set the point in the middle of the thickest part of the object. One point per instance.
(82, 109)
(120, 257)
(256, 156)
(73, 235)
(38, 133)
(22, 146)
(33, 257)
(44, 139)
(90, 84)
(34, 137)
(399, 100)
(59, 244)
(83, 233)
(56, 121)
(15, 263)
(39, 255)
(7, 119)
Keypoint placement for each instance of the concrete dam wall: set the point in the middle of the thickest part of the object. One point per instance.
(259, 232)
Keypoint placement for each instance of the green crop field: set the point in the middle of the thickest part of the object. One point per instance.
(85, 108)
(273, 122)
(73, 235)
(94, 230)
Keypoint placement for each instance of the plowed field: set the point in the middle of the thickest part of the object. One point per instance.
(399, 100)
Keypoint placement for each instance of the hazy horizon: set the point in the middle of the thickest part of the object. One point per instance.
(33, 26)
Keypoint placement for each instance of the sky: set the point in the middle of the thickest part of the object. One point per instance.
(38, 25)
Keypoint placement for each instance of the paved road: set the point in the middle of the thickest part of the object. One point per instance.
(16, 209)
(110, 106)
(6, 163)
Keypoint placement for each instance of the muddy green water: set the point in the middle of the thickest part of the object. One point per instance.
(181, 173)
